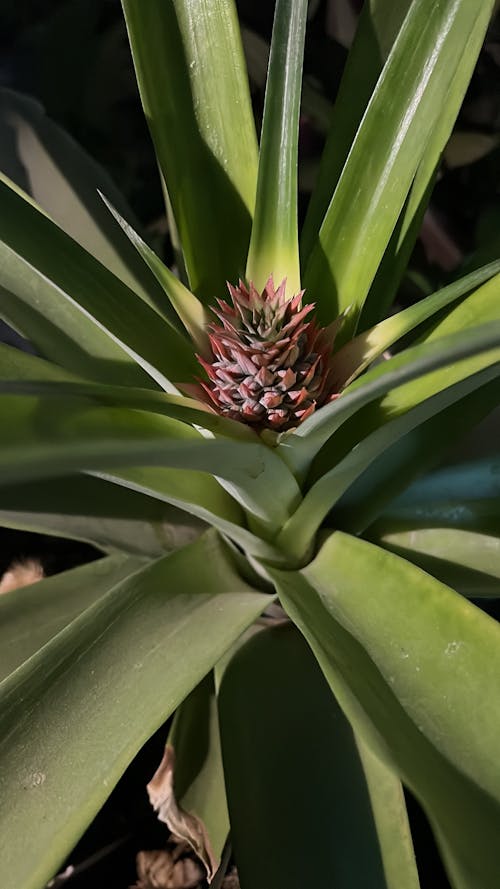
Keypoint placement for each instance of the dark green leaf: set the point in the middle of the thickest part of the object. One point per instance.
(415, 668)
(77, 712)
(34, 614)
(63, 179)
(293, 770)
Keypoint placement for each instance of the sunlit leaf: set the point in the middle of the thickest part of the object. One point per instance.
(402, 113)
(41, 261)
(193, 84)
(274, 246)
(415, 668)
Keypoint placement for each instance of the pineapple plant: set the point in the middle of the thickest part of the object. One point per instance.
(288, 559)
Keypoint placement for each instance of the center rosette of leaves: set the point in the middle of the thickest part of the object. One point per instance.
(271, 361)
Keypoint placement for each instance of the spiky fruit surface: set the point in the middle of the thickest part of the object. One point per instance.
(271, 361)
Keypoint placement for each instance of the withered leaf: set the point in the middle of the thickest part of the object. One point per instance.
(181, 823)
(21, 574)
(167, 869)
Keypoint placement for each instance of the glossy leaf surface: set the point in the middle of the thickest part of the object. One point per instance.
(378, 26)
(194, 90)
(274, 245)
(408, 101)
(39, 259)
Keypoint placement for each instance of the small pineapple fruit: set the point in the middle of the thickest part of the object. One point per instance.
(271, 362)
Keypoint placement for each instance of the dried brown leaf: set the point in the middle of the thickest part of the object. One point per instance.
(181, 823)
(232, 880)
(168, 869)
(21, 574)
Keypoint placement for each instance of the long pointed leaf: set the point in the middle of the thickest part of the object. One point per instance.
(290, 758)
(357, 354)
(194, 90)
(63, 179)
(418, 451)
(274, 245)
(396, 258)
(408, 99)
(189, 309)
(297, 534)
(299, 447)
(23, 373)
(34, 614)
(50, 437)
(378, 26)
(76, 713)
(40, 260)
(107, 515)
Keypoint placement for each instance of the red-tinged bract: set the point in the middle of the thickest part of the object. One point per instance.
(271, 362)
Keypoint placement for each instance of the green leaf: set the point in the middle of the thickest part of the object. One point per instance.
(467, 561)
(189, 309)
(63, 179)
(194, 90)
(77, 712)
(188, 788)
(482, 306)
(178, 407)
(406, 105)
(391, 820)
(465, 497)
(378, 26)
(199, 495)
(50, 437)
(398, 254)
(394, 263)
(274, 245)
(358, 353)
(107, 515)
(34, 614)
(41, 262)
(418, 451)
(298, 533)
(392, 379)
(292, 763)
(415, 668)
(21, 373)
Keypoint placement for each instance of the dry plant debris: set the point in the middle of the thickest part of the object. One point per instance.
(21, 574)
